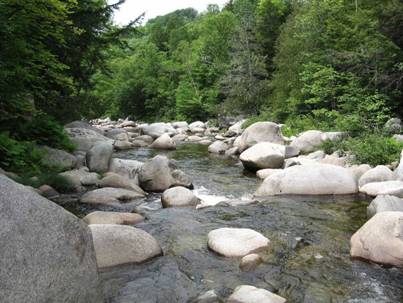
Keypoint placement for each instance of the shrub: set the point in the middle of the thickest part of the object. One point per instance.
(51, 178)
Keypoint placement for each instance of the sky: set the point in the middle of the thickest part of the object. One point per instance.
(133, 8)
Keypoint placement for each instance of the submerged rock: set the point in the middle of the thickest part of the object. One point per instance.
(263, 155)
(236, 242)
(251, 294)
(250, 262)
(380, 239)
(260, 132)
(179, 197)
(159, 174)
(109, 195)
(218, 147)
(314, 179)
(109, 217)
(130, 245)
(47, 253)
(384, 203)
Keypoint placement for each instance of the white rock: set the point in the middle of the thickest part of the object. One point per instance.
(315, 179)
(260, 132)
(218, 147)
(251, 294)
(120, 244)
(394, 188)
(164, 142)
(263, 155)
(250, 262)
(384, 203)
(118, 181)
(308, 141)
(380, 239)
(377, 174)
(264, 173)
(236, 242)
(125, 168)
(178, 197)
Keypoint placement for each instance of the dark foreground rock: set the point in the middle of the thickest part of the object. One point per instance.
(46, 253)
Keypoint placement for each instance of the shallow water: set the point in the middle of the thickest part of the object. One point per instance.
(308, 259)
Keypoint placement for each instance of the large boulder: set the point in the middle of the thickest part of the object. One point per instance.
(80, 177)
(309, 141)
(58, 158)
(263, 155)
(384, 203)
(156, 130)
(380, 240)
(197, 127)
(235, 130)
(130, 245)
(99, 156)
(46, 253)
(118, 181)
(109, 217)
(393, 126)
(251, 294)
(117, 134)
(160, 173)
(377, 174)
(85, 125)
(109, 195)
(122, 145)
(260, 132)
(394, 188)
(164, 142)
(218, 147)
(179, 197)
(313, 179)
(125, 168)
(85, 138)
(236, 242)
(264, 173)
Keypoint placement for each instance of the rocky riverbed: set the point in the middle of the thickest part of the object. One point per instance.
(177, 213)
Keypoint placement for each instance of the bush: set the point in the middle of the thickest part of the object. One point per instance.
(373, 149)
(51, 178)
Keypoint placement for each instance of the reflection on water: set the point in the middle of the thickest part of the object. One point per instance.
(308, 259)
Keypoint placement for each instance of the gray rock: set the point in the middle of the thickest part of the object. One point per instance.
(109, 195)
(233, 151)
(46, 253)
(393, 188)
(218, 147)
(308, 141)
(125, 168)
(263, 155)
(393, 126)
(118, 181)
(179, 197)
(377, 174)
(117, 134)
(159, 174)
(384, 203)
(156, 130)
(47, 191)
(85, 138)
(109, 217)
(99, 156)
(164, 142)
(208, 297)
(122, 145)
(59, 158)
(260, 132)
(250, 262)
(80, 177)
(130, 245)
(83, 124)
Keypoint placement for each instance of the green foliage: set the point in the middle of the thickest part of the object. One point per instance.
(373, 149)
(52, 178)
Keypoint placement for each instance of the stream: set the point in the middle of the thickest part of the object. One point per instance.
(308, 257)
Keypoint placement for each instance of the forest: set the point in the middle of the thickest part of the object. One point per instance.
(317, 64)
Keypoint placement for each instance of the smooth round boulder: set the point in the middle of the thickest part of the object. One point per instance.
(118, 181)
(58, 158)
(218, 147)
(263, 155)
(164, 142)
(251, 294)
(160, 173)
(308, 141)
(236, 242)
(260, 132)
(377, 174)
(156, 130)
(99, 156)
(109, 195)
(380, 240)
(394, 188)
(121, 244)
(125, 168)
(47, 253)
(264, 173)
(179, 197)
(109, 217)
(384, 203)
(310, 179)
(47, 191)
(122, 145)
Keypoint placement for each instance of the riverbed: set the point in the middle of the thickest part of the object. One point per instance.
(307, 261)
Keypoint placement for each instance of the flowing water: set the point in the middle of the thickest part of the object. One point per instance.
(308, 259)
